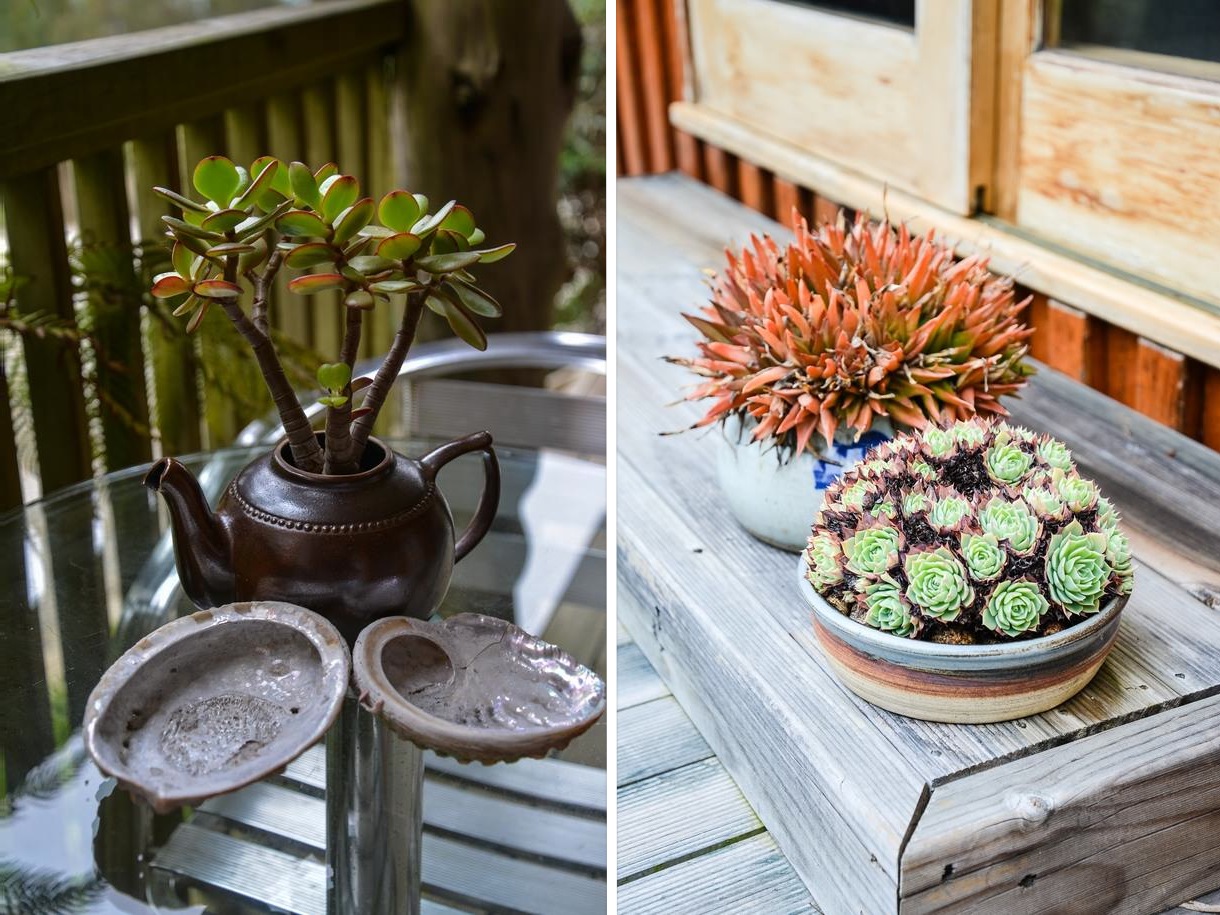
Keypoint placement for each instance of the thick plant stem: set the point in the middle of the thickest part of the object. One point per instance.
(262, 290)
(304, 444)
(339, 457)
(388, 373)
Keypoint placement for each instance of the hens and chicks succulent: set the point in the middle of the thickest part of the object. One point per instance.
(979, 532)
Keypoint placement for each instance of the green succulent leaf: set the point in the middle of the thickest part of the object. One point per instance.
(190, 304)
(359, 299)
(947, 513)
(477, 237)
(302, 223)
(334, 376)
(313, 283)
(342, 192)
(447, 263)
(372, 263)
(197, 318)
(304, 186)
(1077, 569)
(183, 203)
(325, 173)
(216, 289)
(332, 400)
(218, 179)
(181, 229)
(1011, 521)
(984, 556)
(1055, 453)
(1007, 463)
(353, 220)
(460, 220)
(399, 247)
(1015, 608)
(460, 320)
(253, 228)
(391, 287)
(310, 254)
(429, 224)
(262, 183)
(938, 442)
(872, 551)
(474, 298)
(225, 220)
(491, 255)
(183, 259)
(231, 248)
(1079, 494)
(399, 211)
(887, 609)
(169, 285)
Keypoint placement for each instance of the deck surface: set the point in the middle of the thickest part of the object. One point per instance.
(711, 610)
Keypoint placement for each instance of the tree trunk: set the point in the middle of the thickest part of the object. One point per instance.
(486, 87)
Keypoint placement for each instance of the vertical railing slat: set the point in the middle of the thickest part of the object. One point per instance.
(10, 468)
(379, 330)
(630, 107)
(39, 256)
(175, 365)
(656, 93)
(318, 117)
(115, 301)
(217, 339)
(289, 314)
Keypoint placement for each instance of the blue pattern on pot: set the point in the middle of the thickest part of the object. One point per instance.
(776, 499)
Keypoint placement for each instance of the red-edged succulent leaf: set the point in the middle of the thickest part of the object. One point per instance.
(316, 282)
(168, 285)
(398, 211)
(399, 247)
(353, 219)
(310, 254)
(341, 192)
(302, 223)
(461, 321)
(216, 289)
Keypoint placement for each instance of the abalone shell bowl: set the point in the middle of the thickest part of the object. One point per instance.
(214, 701)
(474, 687)
(962, 684)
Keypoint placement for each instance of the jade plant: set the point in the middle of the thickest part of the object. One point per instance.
(977, 532)
(229, 246)
(845, 325)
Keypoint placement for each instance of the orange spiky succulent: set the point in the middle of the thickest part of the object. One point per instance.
(845, 325)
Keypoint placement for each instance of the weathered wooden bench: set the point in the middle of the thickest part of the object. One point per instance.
(1110, 803)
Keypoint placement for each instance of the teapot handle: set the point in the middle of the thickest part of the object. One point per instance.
(489, 501)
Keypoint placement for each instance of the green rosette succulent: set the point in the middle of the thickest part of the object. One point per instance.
(947, 512)
(1007, 463)
(1077, 570)
(937, 583)
(979, 532)
(822, 558)
(1015, 608)
(1055, 454)
(887, 608)
(984, 556)
(872, 551)
(1012, 521)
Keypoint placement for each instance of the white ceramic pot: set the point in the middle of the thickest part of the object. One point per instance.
(776, 500)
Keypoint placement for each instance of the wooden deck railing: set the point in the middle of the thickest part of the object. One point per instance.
(92, 127)
(1177, 390)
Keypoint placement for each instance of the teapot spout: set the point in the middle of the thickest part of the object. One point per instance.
(201, 541)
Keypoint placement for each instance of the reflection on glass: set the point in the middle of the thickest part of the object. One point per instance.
(899, 12)
(1187, 29)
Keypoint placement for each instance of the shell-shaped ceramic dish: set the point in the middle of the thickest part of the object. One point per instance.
(474, 687)
(962, 684)
(214, 701)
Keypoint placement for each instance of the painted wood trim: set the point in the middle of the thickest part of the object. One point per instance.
(631, 125)
(1183, 325)
(75, 99)
(1125, 821)
(38, 252)
(651, 61)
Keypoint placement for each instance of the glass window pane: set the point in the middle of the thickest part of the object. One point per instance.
(899, 12)
(1174, 28)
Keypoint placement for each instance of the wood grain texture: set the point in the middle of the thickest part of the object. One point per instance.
(114, 303)
(1102, 147)
(74, 99)
(677, 814)
(1117, 297)
(1018, 35)
(1074, 343)
(651, 64)
(1123, 822)
(637, 680)
(1160, 384)
(632, 139)
(899, 99)
(655, 737)
(38, 254)
(725, 644)
(748, 875)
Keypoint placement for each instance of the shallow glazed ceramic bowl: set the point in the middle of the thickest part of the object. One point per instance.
(474, 687)
(776, 500)
(214, 701)
(962, 684)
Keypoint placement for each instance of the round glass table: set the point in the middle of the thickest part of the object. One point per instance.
(89, 571)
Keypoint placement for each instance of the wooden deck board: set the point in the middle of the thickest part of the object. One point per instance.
(736, 650)
(655, 737)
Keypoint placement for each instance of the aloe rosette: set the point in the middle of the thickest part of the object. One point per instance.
(845, 325)
(975, 532)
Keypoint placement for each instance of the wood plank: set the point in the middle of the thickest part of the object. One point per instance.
(114, 303)
(982, 122)
(39, 256)
(1035, 316)
(826, 210)
(1075, 343)
(1160, 387)
(1018, 33)
(75, 99)
(749, 875)
(789, 197)
(1123, 821)
(1122, 350)
(175, 394)
(1187, 325)
(690, 154)
(631, 133)
(656, 737)
(678, 814)
(654, 89)
(1211, 408)
(1101, 152)
(637, 680)
(720, 169)
(754, 185)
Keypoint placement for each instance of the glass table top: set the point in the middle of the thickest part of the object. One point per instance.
(88, 571)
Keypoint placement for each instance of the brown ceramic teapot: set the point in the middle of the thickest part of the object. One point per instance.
(354, 548)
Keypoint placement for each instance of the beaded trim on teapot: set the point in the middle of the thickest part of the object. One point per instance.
(314, 527)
